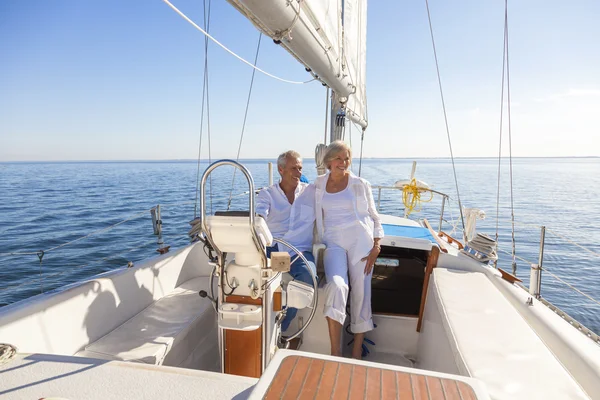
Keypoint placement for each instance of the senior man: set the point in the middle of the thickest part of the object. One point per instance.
(275, 204)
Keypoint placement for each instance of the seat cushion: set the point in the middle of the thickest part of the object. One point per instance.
(166, 332)
(492, 341)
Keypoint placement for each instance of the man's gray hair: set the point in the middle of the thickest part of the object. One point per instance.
(333, 150)
(282, 159)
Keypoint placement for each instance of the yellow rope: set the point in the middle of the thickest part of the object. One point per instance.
(411, 196)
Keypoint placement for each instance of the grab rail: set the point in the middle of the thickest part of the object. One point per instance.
(251, 208)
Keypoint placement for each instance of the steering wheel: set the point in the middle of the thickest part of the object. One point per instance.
(314, 303)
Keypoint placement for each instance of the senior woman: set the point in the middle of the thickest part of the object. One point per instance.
(348, 224)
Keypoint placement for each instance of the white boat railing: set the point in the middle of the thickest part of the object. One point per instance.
(445, 198)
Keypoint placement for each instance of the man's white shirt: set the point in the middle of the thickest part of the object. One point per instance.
(273, 205)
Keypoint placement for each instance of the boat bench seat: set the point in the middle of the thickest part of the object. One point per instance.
(166, 332)
(492, 342)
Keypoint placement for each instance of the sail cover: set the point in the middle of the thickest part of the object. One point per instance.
(326, 36)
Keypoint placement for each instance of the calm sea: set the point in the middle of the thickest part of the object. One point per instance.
(43, 205)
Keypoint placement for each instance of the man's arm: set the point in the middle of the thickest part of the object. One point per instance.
(263, 203)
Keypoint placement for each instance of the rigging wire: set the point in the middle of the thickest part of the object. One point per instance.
(28, 253)
(437, 67)
(544, 268)
(245, 118)
(350, 142)
(34, 281)
(350, 134)
(362, 139)
(500, 143)
(572, 242)
(206, 80)
(210, 181)
(131, 217)
(204, 89)
(512, 204)
(229, 51)
(570, 286)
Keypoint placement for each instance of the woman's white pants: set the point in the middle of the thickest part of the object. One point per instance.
(342, 260)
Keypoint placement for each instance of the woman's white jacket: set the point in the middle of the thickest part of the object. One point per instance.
(364, 205)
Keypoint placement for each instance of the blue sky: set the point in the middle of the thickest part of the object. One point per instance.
(113, 80)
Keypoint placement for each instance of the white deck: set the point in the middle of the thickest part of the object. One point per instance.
(39, 376)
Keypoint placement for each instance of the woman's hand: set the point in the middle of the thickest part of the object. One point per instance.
(371, 258)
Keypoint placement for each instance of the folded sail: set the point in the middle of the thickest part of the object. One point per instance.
(327, 36)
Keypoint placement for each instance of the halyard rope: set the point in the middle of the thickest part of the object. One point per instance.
(229, 51)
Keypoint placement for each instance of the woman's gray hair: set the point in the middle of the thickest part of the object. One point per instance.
(282, 159)
(333, 150)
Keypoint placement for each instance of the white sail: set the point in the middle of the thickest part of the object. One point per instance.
(355, 56)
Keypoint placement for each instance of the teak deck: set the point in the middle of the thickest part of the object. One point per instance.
(301, 377)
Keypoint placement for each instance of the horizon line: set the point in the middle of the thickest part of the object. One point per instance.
(185, 160)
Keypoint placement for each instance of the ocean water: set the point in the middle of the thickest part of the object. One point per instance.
(44, 205)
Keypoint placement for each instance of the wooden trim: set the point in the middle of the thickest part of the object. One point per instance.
(431, 264)
(243, 300)
(439, 241)
(508, 277)
(395, 315)
(243, 349)
(451, 240)
(277, 302)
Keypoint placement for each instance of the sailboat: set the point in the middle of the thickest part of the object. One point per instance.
(204, 321)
